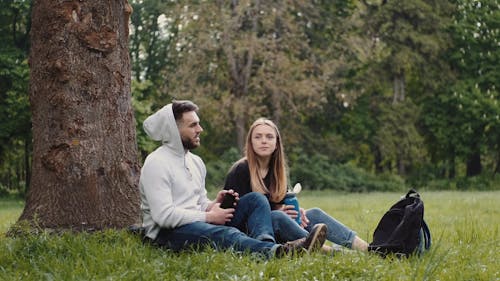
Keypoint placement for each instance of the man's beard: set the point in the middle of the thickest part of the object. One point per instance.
(189, 144)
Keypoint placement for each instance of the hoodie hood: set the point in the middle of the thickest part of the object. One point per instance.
(161, 126)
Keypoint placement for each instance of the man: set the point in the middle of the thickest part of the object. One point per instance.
(176, 210)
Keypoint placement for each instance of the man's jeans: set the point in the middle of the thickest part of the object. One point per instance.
(252, 211)
(287, 229)
(253, 216)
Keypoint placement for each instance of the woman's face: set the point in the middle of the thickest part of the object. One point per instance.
(264, 140)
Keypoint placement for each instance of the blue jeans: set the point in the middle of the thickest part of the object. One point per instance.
(287, 229)
(252, 213)
(253, 217)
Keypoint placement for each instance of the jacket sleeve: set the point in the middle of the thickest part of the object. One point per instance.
(203, 199)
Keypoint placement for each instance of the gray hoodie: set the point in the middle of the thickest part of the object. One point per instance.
(172, 182)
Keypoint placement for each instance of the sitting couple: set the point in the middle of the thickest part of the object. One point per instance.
(177, 213)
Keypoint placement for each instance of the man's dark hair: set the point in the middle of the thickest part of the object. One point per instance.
(181, 106)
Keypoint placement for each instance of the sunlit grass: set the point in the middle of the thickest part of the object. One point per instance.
(464, 225)
(10, 210)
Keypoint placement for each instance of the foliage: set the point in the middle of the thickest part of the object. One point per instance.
(151, 39)
(482, 183)
(475, 56)
(218, 168)
(246, 59)
(462, 120)
(407, 39)
(406, 88)
(15, 117)
(317, 172)
(464, 225)
(143, 107)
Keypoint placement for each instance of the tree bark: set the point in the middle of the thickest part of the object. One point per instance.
(27, 162)
(85, 167)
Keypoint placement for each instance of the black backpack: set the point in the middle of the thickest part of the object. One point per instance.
(402, 230)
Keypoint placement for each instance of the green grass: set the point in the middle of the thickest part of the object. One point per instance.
(464, 225)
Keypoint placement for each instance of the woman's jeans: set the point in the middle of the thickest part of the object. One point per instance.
(253, 211)
(287, 229)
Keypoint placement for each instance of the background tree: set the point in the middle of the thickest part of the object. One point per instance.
(411, 38)
(461, 120)
(475, 59)
(85, 166)
(153, 27)
(405, 91)
(246, 59)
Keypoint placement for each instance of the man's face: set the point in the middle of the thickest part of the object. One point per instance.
(190, 129)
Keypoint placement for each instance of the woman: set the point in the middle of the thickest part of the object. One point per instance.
(264, 170)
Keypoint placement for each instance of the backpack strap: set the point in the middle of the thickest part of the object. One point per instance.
(412, 193)
(427, 235)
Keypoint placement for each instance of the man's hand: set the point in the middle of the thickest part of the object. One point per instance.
(220, 216)
(217, 215)
(222, 193)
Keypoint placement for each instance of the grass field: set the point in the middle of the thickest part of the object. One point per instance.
(464, 225)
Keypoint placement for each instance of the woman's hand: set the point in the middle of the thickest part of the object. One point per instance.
(290, 210)
(304, 221)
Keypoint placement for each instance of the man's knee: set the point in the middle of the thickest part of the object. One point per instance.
(254, 198)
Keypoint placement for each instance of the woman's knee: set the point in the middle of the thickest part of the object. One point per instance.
(315, 212)
(280, 219)
(278, 215)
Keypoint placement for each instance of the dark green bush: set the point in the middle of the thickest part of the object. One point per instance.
(474, 183)
(318, 172)
(217, 169)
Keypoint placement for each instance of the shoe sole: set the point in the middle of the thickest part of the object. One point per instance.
(319, 236)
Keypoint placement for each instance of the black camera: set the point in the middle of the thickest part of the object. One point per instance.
(228, 201)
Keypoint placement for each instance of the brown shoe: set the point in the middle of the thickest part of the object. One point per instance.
(314, 241)
(293, 248)
(316, 238)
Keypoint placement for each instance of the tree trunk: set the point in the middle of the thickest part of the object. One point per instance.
(276, 106)
(377, 160)
(85, 167)
(399, 88)
(240, 70)
(474, 166)
(400, 164)
(497, 166)
(240, 125)
(452, 170)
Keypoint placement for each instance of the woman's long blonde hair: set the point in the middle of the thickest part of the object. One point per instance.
(278, 187)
